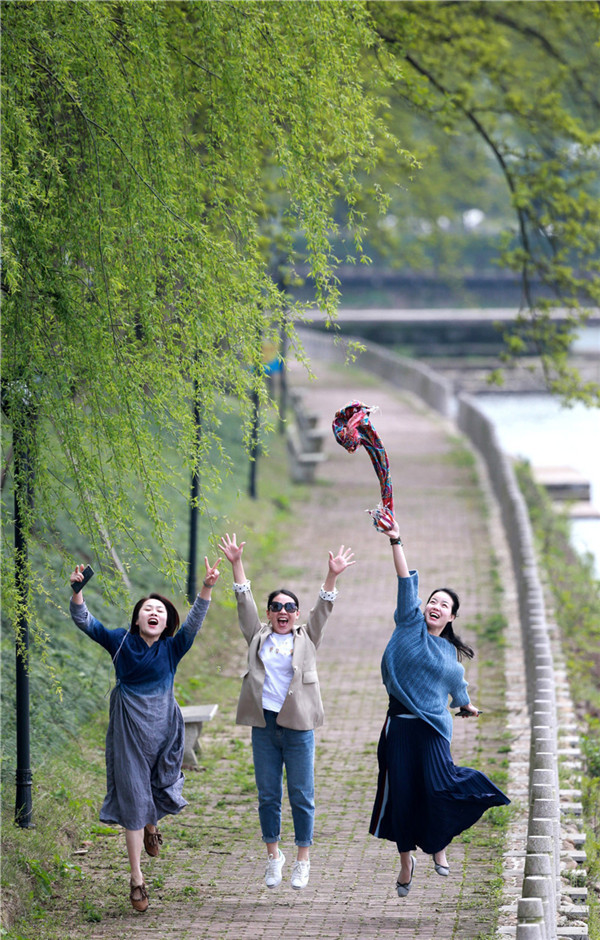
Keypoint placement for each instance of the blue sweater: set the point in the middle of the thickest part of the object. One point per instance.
(419, 669)
(143, 669)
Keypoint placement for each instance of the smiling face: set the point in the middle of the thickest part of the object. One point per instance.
(282, 621)
(438, 612)
(151, 620)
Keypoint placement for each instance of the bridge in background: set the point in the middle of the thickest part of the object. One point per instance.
(431, 331)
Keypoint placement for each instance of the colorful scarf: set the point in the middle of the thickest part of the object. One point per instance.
(351, 428)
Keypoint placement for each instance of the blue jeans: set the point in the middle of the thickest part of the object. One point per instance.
(273, 748)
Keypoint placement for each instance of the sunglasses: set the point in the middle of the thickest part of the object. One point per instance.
(289, 607)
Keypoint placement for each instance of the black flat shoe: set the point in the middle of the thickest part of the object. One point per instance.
(443, 870)
(403, 889)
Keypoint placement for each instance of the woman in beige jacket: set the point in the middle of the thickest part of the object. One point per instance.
(281, 700)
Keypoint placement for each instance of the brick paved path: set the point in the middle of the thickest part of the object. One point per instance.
(351, 891)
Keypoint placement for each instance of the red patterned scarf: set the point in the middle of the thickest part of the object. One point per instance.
(352, 427)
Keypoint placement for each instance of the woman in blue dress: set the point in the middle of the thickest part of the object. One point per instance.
(144, 742)
(423, 799)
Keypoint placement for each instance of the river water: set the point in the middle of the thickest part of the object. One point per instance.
(536, 428)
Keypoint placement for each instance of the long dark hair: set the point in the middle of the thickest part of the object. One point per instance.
(283, 591)
(172, 615)
(448, 632)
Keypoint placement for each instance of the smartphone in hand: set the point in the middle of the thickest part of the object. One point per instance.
(465, 713)
(88, 572)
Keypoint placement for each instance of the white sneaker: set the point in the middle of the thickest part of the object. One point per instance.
(300, 873)
(273, 872)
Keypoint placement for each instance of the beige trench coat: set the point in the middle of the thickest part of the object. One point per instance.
(303, 708)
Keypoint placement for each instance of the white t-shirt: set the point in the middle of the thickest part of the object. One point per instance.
(276, 655)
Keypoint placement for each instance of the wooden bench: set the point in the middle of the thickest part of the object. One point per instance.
(194, 717)
(312, 437)
(303, 463)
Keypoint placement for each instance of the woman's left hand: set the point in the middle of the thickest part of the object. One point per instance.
(212, 572)
(341, 561)
(468, 711)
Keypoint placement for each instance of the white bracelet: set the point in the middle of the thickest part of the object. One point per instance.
(241, 588)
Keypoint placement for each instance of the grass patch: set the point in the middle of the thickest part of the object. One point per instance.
(491, 628)
(462, 458)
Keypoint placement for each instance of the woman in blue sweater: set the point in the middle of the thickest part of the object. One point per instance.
(423, 800)
(144, 742)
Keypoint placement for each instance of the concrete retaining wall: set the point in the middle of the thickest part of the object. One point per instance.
(542, 862)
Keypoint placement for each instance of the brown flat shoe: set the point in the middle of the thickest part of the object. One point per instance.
(152, 841)
(138, 896)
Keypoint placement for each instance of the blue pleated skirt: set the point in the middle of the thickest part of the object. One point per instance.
(423, 799)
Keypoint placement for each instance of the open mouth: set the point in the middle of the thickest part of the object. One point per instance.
(152, 621)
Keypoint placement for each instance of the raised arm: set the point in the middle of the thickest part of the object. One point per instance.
(248, 617)
(319, 614)
(233, 554)
(87, 623)
(191, 626)
(393, 534)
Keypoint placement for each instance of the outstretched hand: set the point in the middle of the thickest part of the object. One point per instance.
(341, 561)
(212, 572)
(230, 548)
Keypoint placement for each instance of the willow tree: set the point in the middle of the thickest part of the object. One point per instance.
(501, 100)
(135, 146)
(138, 142)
